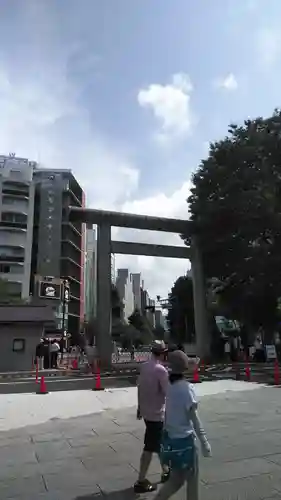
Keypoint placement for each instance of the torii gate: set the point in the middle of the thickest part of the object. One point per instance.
(105, 247)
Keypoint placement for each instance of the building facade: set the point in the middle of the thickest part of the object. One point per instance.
(36, 236)
(17, 197)
(57, 249)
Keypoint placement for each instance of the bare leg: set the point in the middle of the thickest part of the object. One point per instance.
(145, 462)
(165, 468)
(175, 482)
(192, 488)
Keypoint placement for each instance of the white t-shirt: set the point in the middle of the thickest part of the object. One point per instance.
(180, 398)
(55, 347)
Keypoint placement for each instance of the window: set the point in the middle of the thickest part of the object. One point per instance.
(18, 345)
(14, 217)
(11, 200)
(10, 250)
(5, 269)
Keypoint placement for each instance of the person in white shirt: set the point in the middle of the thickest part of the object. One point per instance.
(182, 425)
(54, 350)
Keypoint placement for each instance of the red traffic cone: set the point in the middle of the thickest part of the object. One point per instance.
(75, 364)
(248, 371)
(36, 371)
(276, 373)
(196, 378)
(42, 387)
(97, 385)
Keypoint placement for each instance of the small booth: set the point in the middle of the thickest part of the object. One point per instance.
(21, 328)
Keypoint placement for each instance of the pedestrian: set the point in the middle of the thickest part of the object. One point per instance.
(39, 354)
(182, 425)
(152, 388)
(47, 354)
(54, 350)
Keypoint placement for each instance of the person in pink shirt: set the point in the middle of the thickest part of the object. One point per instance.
(152, 389)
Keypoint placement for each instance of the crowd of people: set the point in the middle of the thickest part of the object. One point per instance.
(47, 353)
(167, 403)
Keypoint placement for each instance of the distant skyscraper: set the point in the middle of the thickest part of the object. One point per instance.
(136, 282)
(125, 290)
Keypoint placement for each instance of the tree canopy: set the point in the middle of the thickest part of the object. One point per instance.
(235, 207)
(141, 324)
(181, 313)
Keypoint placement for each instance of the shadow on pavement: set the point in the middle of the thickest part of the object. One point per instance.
(127, 494)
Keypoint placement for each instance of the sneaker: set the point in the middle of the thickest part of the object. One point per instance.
(144, 486)
(165, 476)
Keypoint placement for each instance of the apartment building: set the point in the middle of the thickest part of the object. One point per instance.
(36, 236)
(16, 223)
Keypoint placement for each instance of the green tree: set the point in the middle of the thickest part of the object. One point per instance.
(235, 207)
(159, 332)
(142, 325)
(181, 313)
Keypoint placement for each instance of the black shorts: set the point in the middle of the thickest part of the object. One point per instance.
(153, 436)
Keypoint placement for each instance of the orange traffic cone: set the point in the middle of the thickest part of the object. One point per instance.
(97, 385)
(248, 371)
(37, 372)
(276, 373)
(196, 378)
(42, 387)
(75, 364)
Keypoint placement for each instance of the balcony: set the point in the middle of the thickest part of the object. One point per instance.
(74, 198)
(76, 227)
(74, 307)
(75, 290)
(13, 226)
(10, 259)
(69, 269)
(71, 236)
(14, 220)
(16, 188)
(70, 250)
(15, 204)
(12, 271)
(13, 198)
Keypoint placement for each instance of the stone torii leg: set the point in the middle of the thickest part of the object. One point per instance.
(200, 303)
(104, 342)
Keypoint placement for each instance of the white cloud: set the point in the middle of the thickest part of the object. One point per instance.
(269, 47)
(159, 274)
(170, 105)
(41, 120)
(229, 82)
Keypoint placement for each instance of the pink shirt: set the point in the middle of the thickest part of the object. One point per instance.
(152, 389)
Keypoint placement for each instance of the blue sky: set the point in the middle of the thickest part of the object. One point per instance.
(128, 93)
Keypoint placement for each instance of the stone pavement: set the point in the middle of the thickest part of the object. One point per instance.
(90, 451)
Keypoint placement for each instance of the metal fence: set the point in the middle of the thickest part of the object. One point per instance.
(128, 357)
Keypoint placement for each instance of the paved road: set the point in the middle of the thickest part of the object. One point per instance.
(86, 446)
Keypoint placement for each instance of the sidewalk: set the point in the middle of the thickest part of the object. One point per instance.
(19, 410)
(87, 446)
